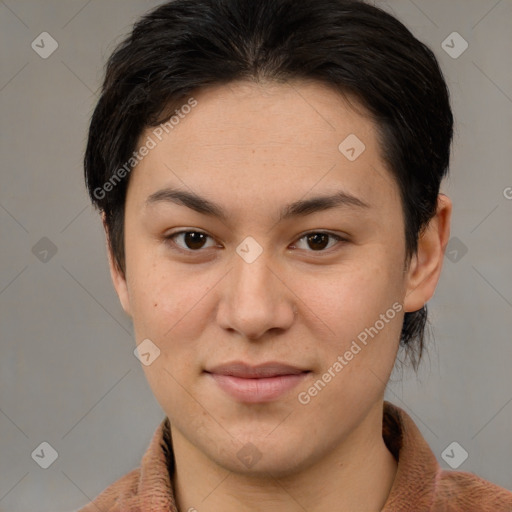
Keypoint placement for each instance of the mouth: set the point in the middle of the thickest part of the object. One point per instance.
(256, 384)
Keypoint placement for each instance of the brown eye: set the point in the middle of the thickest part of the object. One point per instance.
(190, 240)
(318, 241)
(194, 241)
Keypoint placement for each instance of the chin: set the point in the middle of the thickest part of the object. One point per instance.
(261, 457)
(275, 465)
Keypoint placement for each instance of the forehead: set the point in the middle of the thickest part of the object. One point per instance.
(278, 139)
(267, 115)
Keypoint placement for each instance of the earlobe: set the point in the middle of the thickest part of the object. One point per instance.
(118, 277)
(425, 266)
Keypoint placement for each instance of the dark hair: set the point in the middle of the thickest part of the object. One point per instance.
(354, 47)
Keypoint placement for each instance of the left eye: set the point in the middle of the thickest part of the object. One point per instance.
(319, 241)
(192, 241)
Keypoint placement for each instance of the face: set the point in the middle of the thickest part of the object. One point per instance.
(277, 314)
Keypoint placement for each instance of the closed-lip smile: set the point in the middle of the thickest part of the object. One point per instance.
(263, 382)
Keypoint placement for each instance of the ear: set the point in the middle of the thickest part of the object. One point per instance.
(118, 277)
(425, 266)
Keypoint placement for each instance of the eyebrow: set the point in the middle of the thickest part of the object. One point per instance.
(298, 208)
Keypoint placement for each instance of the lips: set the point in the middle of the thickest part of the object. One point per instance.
(260, 383)
(246, 371)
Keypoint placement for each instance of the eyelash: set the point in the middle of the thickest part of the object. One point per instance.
(171, 237)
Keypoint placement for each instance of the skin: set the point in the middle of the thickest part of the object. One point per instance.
(252, 148)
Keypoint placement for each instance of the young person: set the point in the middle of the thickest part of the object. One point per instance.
(268, 172)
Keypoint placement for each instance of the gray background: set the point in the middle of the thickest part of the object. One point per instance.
(67, 371)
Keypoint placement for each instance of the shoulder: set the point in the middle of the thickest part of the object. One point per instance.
(116, 495)
(146, 486)
(458, 490)
(421, 484)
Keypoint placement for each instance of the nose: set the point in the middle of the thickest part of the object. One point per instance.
(255, 299)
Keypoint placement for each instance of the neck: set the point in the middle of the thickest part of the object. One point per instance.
(358, 475)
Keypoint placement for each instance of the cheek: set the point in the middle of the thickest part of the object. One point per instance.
(354, 295)
(159, 294)
(362, 308)
(169, 310)
(171, 306)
